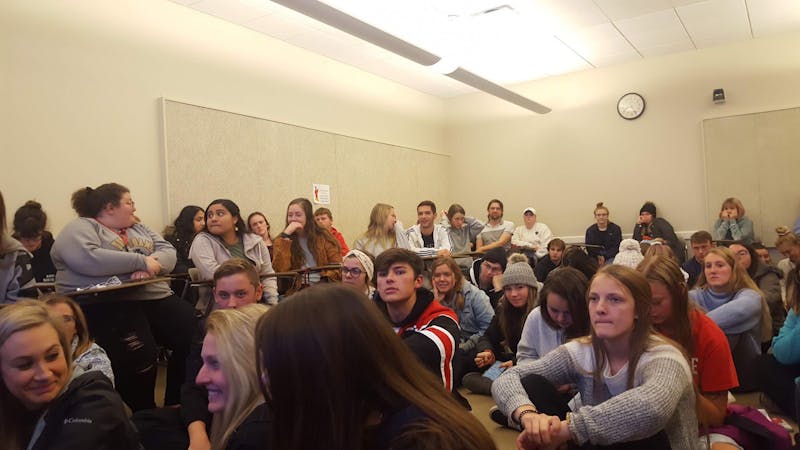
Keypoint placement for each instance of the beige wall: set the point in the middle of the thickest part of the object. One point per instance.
(80, 83)
(564, 162)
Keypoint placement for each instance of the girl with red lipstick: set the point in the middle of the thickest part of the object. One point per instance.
(636, 386)
(43, 403)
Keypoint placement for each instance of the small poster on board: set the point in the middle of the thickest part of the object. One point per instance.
(322, 194)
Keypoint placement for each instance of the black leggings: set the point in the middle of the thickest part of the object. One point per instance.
(777, 382)
(129, 331)
(549, 401)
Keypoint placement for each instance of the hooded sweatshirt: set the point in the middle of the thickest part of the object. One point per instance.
(16, 274)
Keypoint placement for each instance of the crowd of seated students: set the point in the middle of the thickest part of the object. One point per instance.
(587, 333)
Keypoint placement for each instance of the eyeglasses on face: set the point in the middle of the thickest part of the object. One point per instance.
(355, 271)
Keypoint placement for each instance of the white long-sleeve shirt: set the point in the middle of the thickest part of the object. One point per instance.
(538, 236)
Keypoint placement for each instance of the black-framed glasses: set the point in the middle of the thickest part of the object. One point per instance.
(355, 271)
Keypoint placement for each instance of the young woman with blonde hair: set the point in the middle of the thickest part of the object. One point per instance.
(734, 302)
(635, 386)
(240, 420)
(44, 404)
(86, 354)
(384, 231)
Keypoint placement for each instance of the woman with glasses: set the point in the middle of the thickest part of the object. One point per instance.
(106, 244)
(605, 234)
(357, 271)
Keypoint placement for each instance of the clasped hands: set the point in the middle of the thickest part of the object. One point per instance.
(543, 432)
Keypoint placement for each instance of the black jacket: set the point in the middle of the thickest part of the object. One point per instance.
(88, 415)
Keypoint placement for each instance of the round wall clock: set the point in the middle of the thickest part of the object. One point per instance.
(630, 106)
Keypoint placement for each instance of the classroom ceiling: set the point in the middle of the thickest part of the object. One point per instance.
(512, 41)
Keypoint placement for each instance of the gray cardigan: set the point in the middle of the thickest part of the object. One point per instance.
(88, 253)
(208, 253)
(662, 397)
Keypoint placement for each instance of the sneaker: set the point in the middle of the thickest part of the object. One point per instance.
(498, 417)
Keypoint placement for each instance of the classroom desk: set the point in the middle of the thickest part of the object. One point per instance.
(87, 295)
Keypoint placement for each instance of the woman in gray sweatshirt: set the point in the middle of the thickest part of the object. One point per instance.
(107, 241)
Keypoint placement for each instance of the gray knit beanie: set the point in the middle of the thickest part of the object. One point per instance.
(519, 272)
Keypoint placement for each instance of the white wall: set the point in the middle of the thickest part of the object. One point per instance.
(80, 83)
(564, 162)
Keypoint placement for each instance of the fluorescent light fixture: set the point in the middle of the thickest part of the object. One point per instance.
(349, 24)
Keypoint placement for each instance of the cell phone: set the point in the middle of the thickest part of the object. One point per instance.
(493, 372)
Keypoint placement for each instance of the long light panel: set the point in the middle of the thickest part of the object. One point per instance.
(328, 15)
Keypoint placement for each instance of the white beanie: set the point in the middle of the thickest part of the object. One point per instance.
(630, 253)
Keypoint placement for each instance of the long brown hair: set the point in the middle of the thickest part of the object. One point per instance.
(511, 320)
(642, 334)
(313, 233)
(353, 367)
(664, 269)
(571, 285)
(455, 298)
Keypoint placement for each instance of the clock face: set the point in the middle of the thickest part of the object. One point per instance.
(630, 106)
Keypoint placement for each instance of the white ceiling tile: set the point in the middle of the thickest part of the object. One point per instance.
(599, 44)
(714, 22)
(666, 49)
(679, 3)
(626, 9)
(660, 29)
(279, 26)
(774, 16)
(232, 11)
(184, 2)
(570, 13)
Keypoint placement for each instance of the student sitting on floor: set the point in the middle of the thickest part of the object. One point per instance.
(86, 354)
(560, 316)
(487, 274)
(429, 329)
(236, 284)
(45, 403)
(674, 316)
(241, 419)
(733, 301)
(499, 342)
(555, 253)
(470, 304)
(348, 382)
(635, 386)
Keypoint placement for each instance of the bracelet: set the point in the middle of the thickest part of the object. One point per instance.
(284, 235)
(523, 413)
